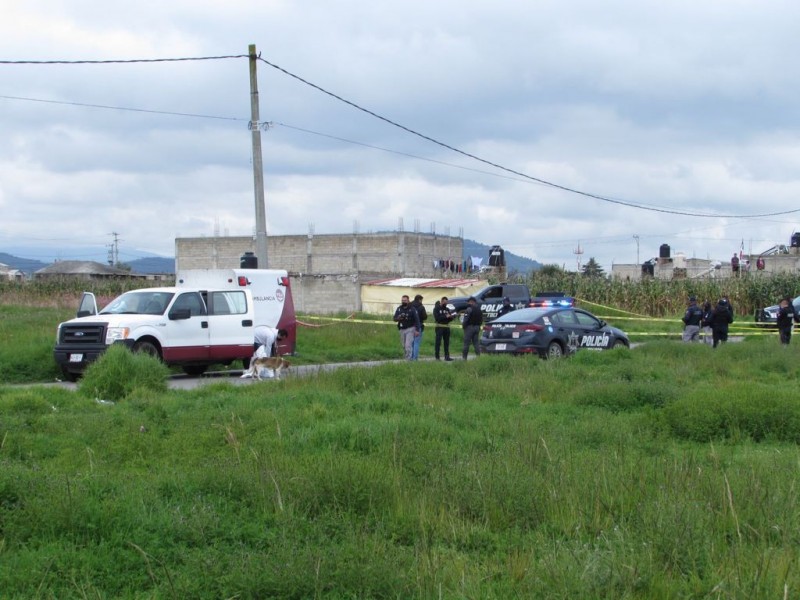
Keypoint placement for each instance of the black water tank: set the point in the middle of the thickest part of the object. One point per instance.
(796, 240)
(497, 257)
(248, 261)
(663, 251)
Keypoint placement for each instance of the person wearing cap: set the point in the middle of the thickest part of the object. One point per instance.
(506, 308)
(719, 321)
(423, 316)
(691, 321)
(473, 319)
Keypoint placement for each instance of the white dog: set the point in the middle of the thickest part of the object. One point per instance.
(276, 363)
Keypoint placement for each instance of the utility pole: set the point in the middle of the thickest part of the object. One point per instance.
(636, 237)
(258, 168)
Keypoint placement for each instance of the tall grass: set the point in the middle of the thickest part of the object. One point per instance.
(670, 471)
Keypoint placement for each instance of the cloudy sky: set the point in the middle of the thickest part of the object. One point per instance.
(614, 126)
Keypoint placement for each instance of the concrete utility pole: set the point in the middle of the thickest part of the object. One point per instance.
(258, 168)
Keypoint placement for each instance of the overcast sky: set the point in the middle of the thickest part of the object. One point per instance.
(682, 107)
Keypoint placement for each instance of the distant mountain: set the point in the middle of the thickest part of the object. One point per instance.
(153, 264)
(26, 265)
(149, 265)
(514, 262)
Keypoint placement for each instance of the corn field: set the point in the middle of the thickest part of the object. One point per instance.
(65, 292)
(652, 297)
(659, 298)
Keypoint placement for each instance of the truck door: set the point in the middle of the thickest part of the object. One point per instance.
(187, 333)
(230, 326)
(491, 301)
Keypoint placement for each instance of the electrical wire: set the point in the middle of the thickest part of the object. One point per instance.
(124, 108)
(519, 173)
(120, 61)
(545, 182)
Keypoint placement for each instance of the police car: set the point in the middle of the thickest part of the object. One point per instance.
(550, 332)
(769, 315)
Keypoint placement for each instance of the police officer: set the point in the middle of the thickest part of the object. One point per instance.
(691, 321)
(506, 308)
(720, 319)
(408, 323)
(473, 319)
(442, 315)
(786, 317)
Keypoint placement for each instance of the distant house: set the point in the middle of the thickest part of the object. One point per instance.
(7, 272)
(83, 269)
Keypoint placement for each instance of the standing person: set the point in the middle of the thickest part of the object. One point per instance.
(786, 316)
(443, 316)
(705, 324)
(473, 319)
(720, 319)
(506, 308)
(423, 316)
(408, 323)
(735, 265)
(691, 321)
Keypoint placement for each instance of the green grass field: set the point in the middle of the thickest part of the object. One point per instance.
(668, 471)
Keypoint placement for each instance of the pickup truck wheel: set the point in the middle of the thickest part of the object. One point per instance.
(195, 370)
(554, 350)
(147, 348)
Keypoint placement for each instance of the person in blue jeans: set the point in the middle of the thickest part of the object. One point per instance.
(423, 315)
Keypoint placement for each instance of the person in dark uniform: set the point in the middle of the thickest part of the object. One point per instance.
(408, 323)
(786, 318)
(473, 319)
(691, 321)
(720, 319)
(443, 316)
(506, 308)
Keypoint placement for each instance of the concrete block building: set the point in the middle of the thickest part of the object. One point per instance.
(327, 271)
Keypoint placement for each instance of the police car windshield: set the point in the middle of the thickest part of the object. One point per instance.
(525, 315)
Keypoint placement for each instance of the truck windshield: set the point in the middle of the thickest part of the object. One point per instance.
(139, 303)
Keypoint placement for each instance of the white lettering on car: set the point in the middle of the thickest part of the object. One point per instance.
(595, 341)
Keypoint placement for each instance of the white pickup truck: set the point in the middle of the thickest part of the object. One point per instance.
(192, 328)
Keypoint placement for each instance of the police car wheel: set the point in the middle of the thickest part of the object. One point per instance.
(554, 350)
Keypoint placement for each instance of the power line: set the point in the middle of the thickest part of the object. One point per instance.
(382, 118)
(124, 108)
(119, 61)
(519, 173)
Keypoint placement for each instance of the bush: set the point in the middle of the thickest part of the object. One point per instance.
(118, 372)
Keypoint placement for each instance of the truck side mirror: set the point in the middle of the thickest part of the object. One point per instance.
(179, 314)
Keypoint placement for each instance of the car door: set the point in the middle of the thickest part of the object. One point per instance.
(230, 325)
(567, 329)
(186, 336)
(591, 332)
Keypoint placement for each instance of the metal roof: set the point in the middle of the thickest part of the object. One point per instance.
(417, 282)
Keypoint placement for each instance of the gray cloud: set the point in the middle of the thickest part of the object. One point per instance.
(681, 106)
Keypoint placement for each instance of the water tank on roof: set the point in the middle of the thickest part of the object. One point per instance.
(663, 251)
(248, 261)
(497, 257)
